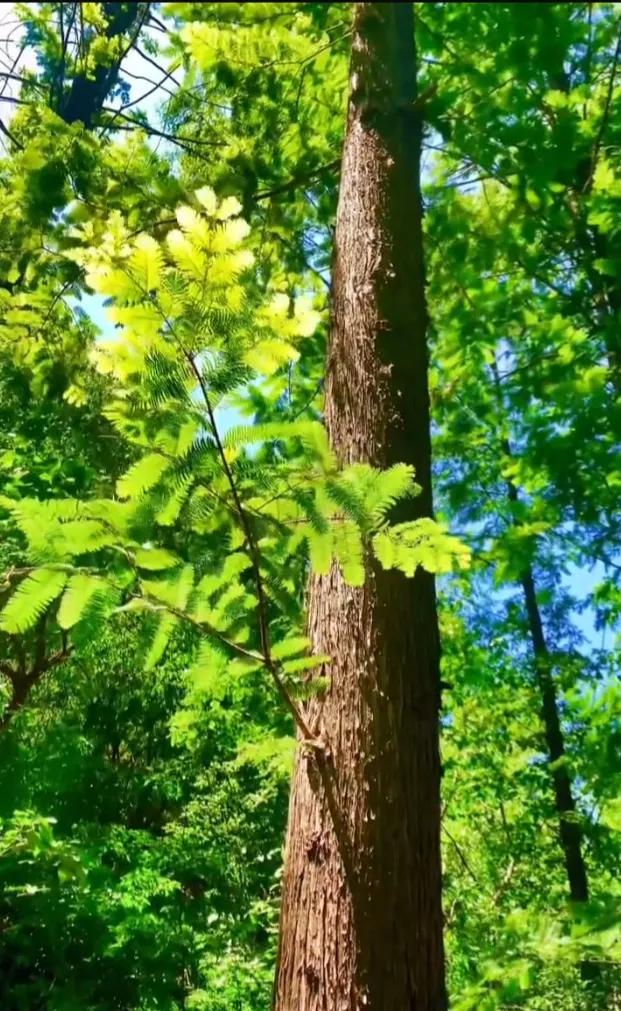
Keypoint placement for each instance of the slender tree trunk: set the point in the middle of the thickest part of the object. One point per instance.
(361, 924)
(570, 834)
(569, 829)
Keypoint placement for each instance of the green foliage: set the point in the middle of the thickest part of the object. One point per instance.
(167, 484)
(405, 546)
(32, 598)
(184, 312)
(81, 588)
(157, 853)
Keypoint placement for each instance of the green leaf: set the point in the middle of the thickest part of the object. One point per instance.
(611, 815)
(31, 599)
(320, 551)
(290, 647)
(424, 543)
(155, 559)
(142, 476)
(146, 262)
(305, 663)
(348, 550)
(165, 626)
(75, 600)
(173, 590)
(210, 671)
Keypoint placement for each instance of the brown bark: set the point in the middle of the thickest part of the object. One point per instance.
(361, 924)
(24, 675)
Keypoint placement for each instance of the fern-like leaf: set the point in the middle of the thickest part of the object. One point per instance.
(80, 590)
(320, 551)
(146, 263)
(173, 590)
(155, 559)
(142, 476)
(31, 599)
(164, 628)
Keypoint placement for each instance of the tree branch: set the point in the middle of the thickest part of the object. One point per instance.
(255, 560)
(11, 136)
(606, 113)
(297, 180)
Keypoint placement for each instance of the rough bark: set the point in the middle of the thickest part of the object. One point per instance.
(361, 922)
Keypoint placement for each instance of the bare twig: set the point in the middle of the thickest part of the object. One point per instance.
(460, 854)
(168, 74)
(138, 124)
(11, 136)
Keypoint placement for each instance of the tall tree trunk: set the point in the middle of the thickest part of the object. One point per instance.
(361, 923)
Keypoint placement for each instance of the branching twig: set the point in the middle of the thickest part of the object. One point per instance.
(154, 132)
(168, 74)
(606, 113)
(253, 551)
(460, 854)
(11, 136)
(297, 180)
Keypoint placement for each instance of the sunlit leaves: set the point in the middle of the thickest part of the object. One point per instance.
(423, 543)
(31, 599)
(81, 588)
(153, 558)
(142, 476)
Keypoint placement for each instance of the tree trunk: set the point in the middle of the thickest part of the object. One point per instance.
(569, 829)
(87, 94)
(570, 834)
(361, 922)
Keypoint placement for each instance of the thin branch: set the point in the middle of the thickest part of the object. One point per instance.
(148, 80)
(168, 74)
(202, 626)
(23, 80)
(318, 388)
(11, 136)
(131, 43)
(22, 681)
(297, 180)
(65, 42)
(506, 880)
(606, 112)
(161, 27)
(13, 100)
(136, 101)
(309, 738)
(254, 558)
(153, 131)
(460, 854)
